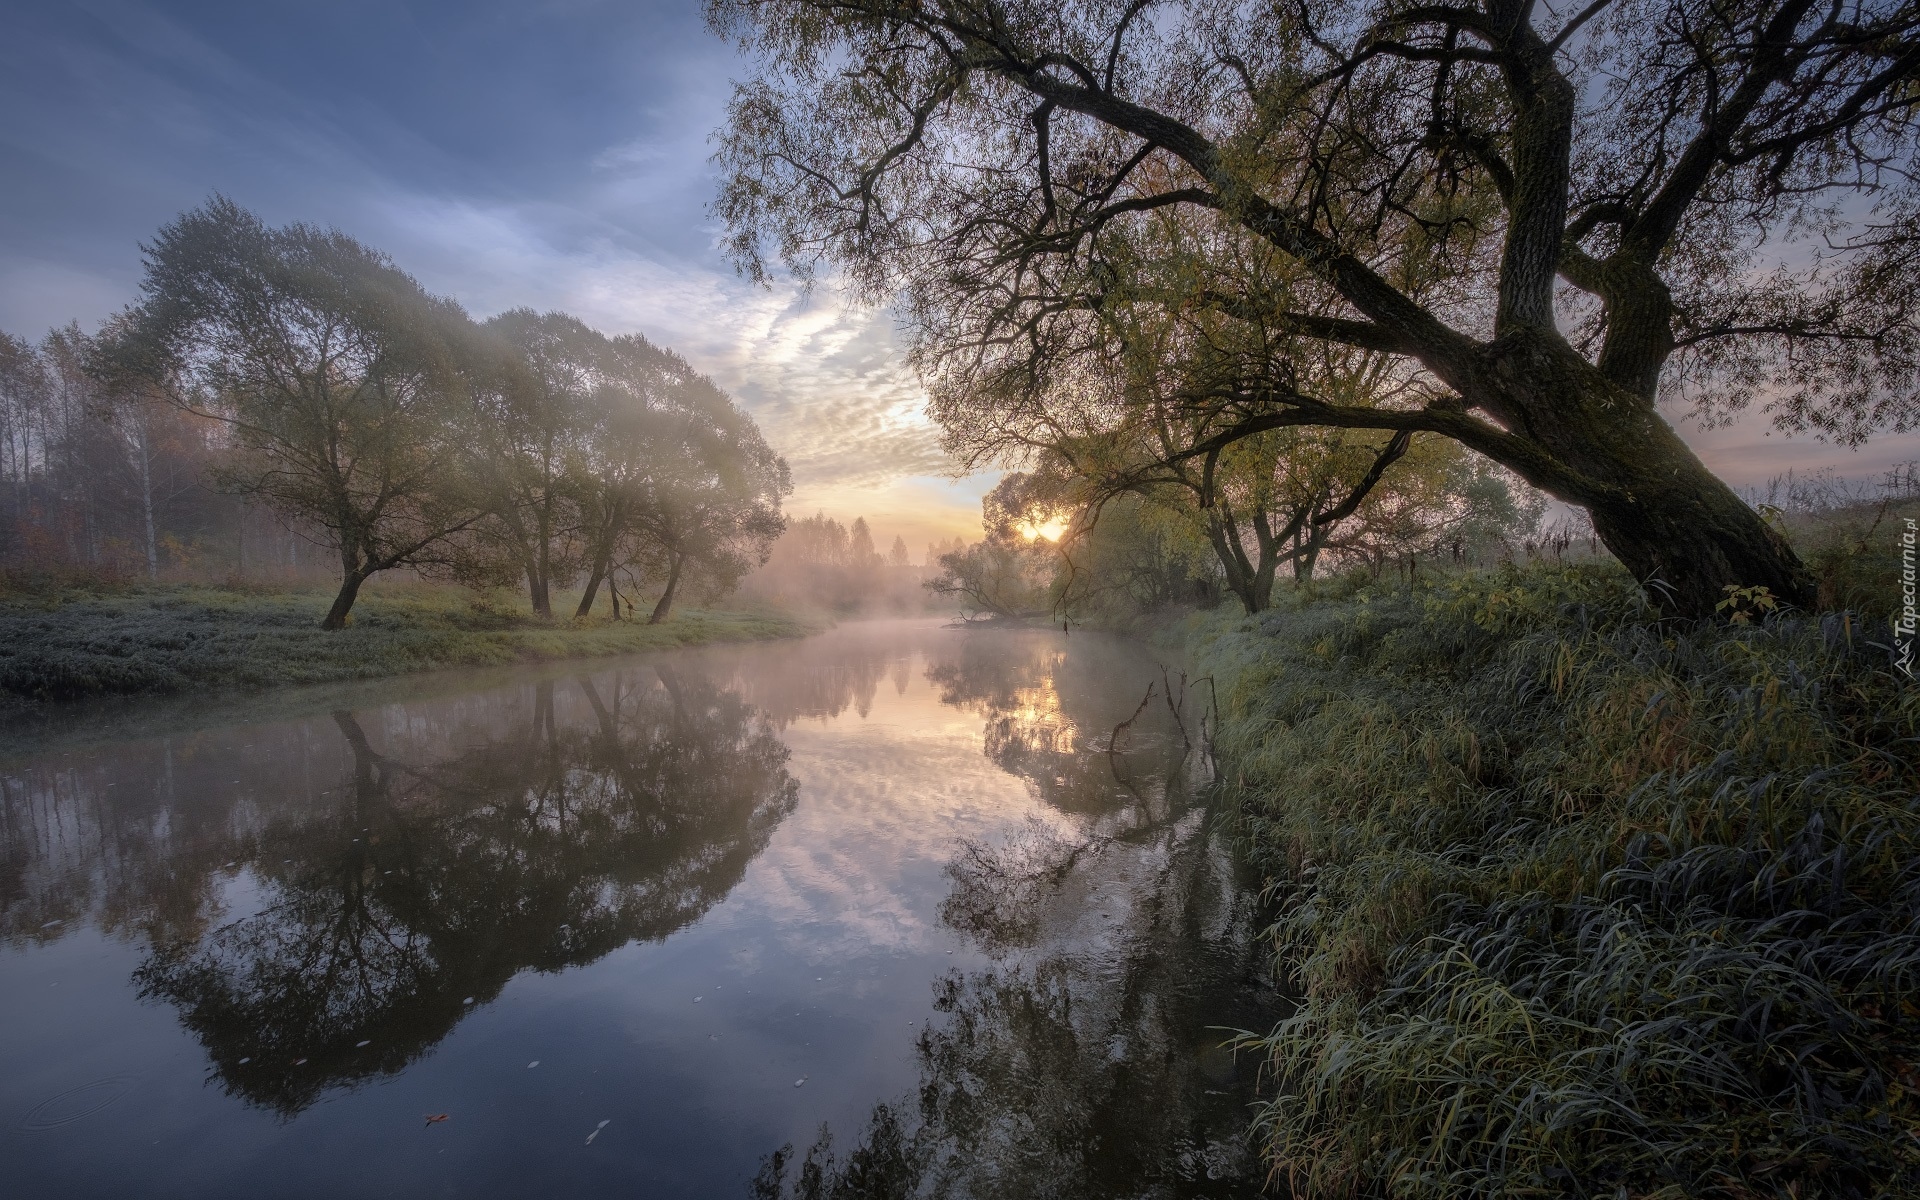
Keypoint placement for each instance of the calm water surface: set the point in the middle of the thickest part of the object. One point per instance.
(883, 900)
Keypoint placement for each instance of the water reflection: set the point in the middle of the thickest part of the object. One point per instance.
(1087, 1060)
(419, 886)
(1013, 931)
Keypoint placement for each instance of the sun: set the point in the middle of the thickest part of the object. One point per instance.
(1049, 530)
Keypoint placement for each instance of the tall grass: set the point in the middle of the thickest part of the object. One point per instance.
(1581, 903)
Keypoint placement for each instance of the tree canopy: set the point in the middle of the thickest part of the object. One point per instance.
(1545, 221)
(360, 406)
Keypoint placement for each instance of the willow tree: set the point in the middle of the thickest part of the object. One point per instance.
(532, 433)
(709, 507)
(337, 375)
(1551, 220)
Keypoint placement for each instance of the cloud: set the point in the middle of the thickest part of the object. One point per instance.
(827, 382)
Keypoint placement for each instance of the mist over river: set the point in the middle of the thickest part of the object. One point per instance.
(643, 926)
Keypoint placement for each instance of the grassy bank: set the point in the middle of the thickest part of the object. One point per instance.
(70, 642)
(1581, 904)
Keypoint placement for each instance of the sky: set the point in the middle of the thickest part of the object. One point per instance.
(542, 153)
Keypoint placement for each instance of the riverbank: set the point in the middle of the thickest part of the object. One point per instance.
(1578, 903)
(62, 642)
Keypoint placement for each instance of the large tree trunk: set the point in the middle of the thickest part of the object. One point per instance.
(664, 609)
(1224, 534)
(1677, 527)
(543, 569)
(1693, 539)
(1307, 559)
(1251, 579)
(602, 569)
(336, 617)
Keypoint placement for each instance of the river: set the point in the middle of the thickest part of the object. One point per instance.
(884, 901)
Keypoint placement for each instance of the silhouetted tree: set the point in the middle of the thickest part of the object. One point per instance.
(712, 502)
(1542, 216)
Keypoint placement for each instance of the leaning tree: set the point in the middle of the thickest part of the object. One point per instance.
(337, 375)
(1551, 219)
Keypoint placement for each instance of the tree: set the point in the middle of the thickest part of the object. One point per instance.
(532, 421)
(1440, 502)
(336, 374)
(1143, 554)
(860, 544)
(899, 556)
(1546, 221)
(1000, 577)
(630, 400)
(711, 506)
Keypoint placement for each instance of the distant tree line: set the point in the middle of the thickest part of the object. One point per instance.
(102, 479)
(297, 370)
(820, 563)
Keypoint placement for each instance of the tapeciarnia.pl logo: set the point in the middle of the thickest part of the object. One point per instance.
(1909, 619)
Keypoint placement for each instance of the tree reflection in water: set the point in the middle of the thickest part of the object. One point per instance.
(1087, 1060)
(427, 884)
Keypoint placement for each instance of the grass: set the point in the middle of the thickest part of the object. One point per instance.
(1580, 903)
(62, 641)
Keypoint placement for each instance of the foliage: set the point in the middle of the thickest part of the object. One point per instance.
(1003, 577)
(384, 422)
(1138, 557)
(1580, 902)
(711, 505)
(1542, 218)
(108, 478)
(335, 371)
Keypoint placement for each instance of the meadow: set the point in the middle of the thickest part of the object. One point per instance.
(63, 640)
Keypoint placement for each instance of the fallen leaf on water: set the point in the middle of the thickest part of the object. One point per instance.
(533, 1064)
(436, 1118)
(799, 1081)
(359, 1045)
(597, 1129)
(299, 1062)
